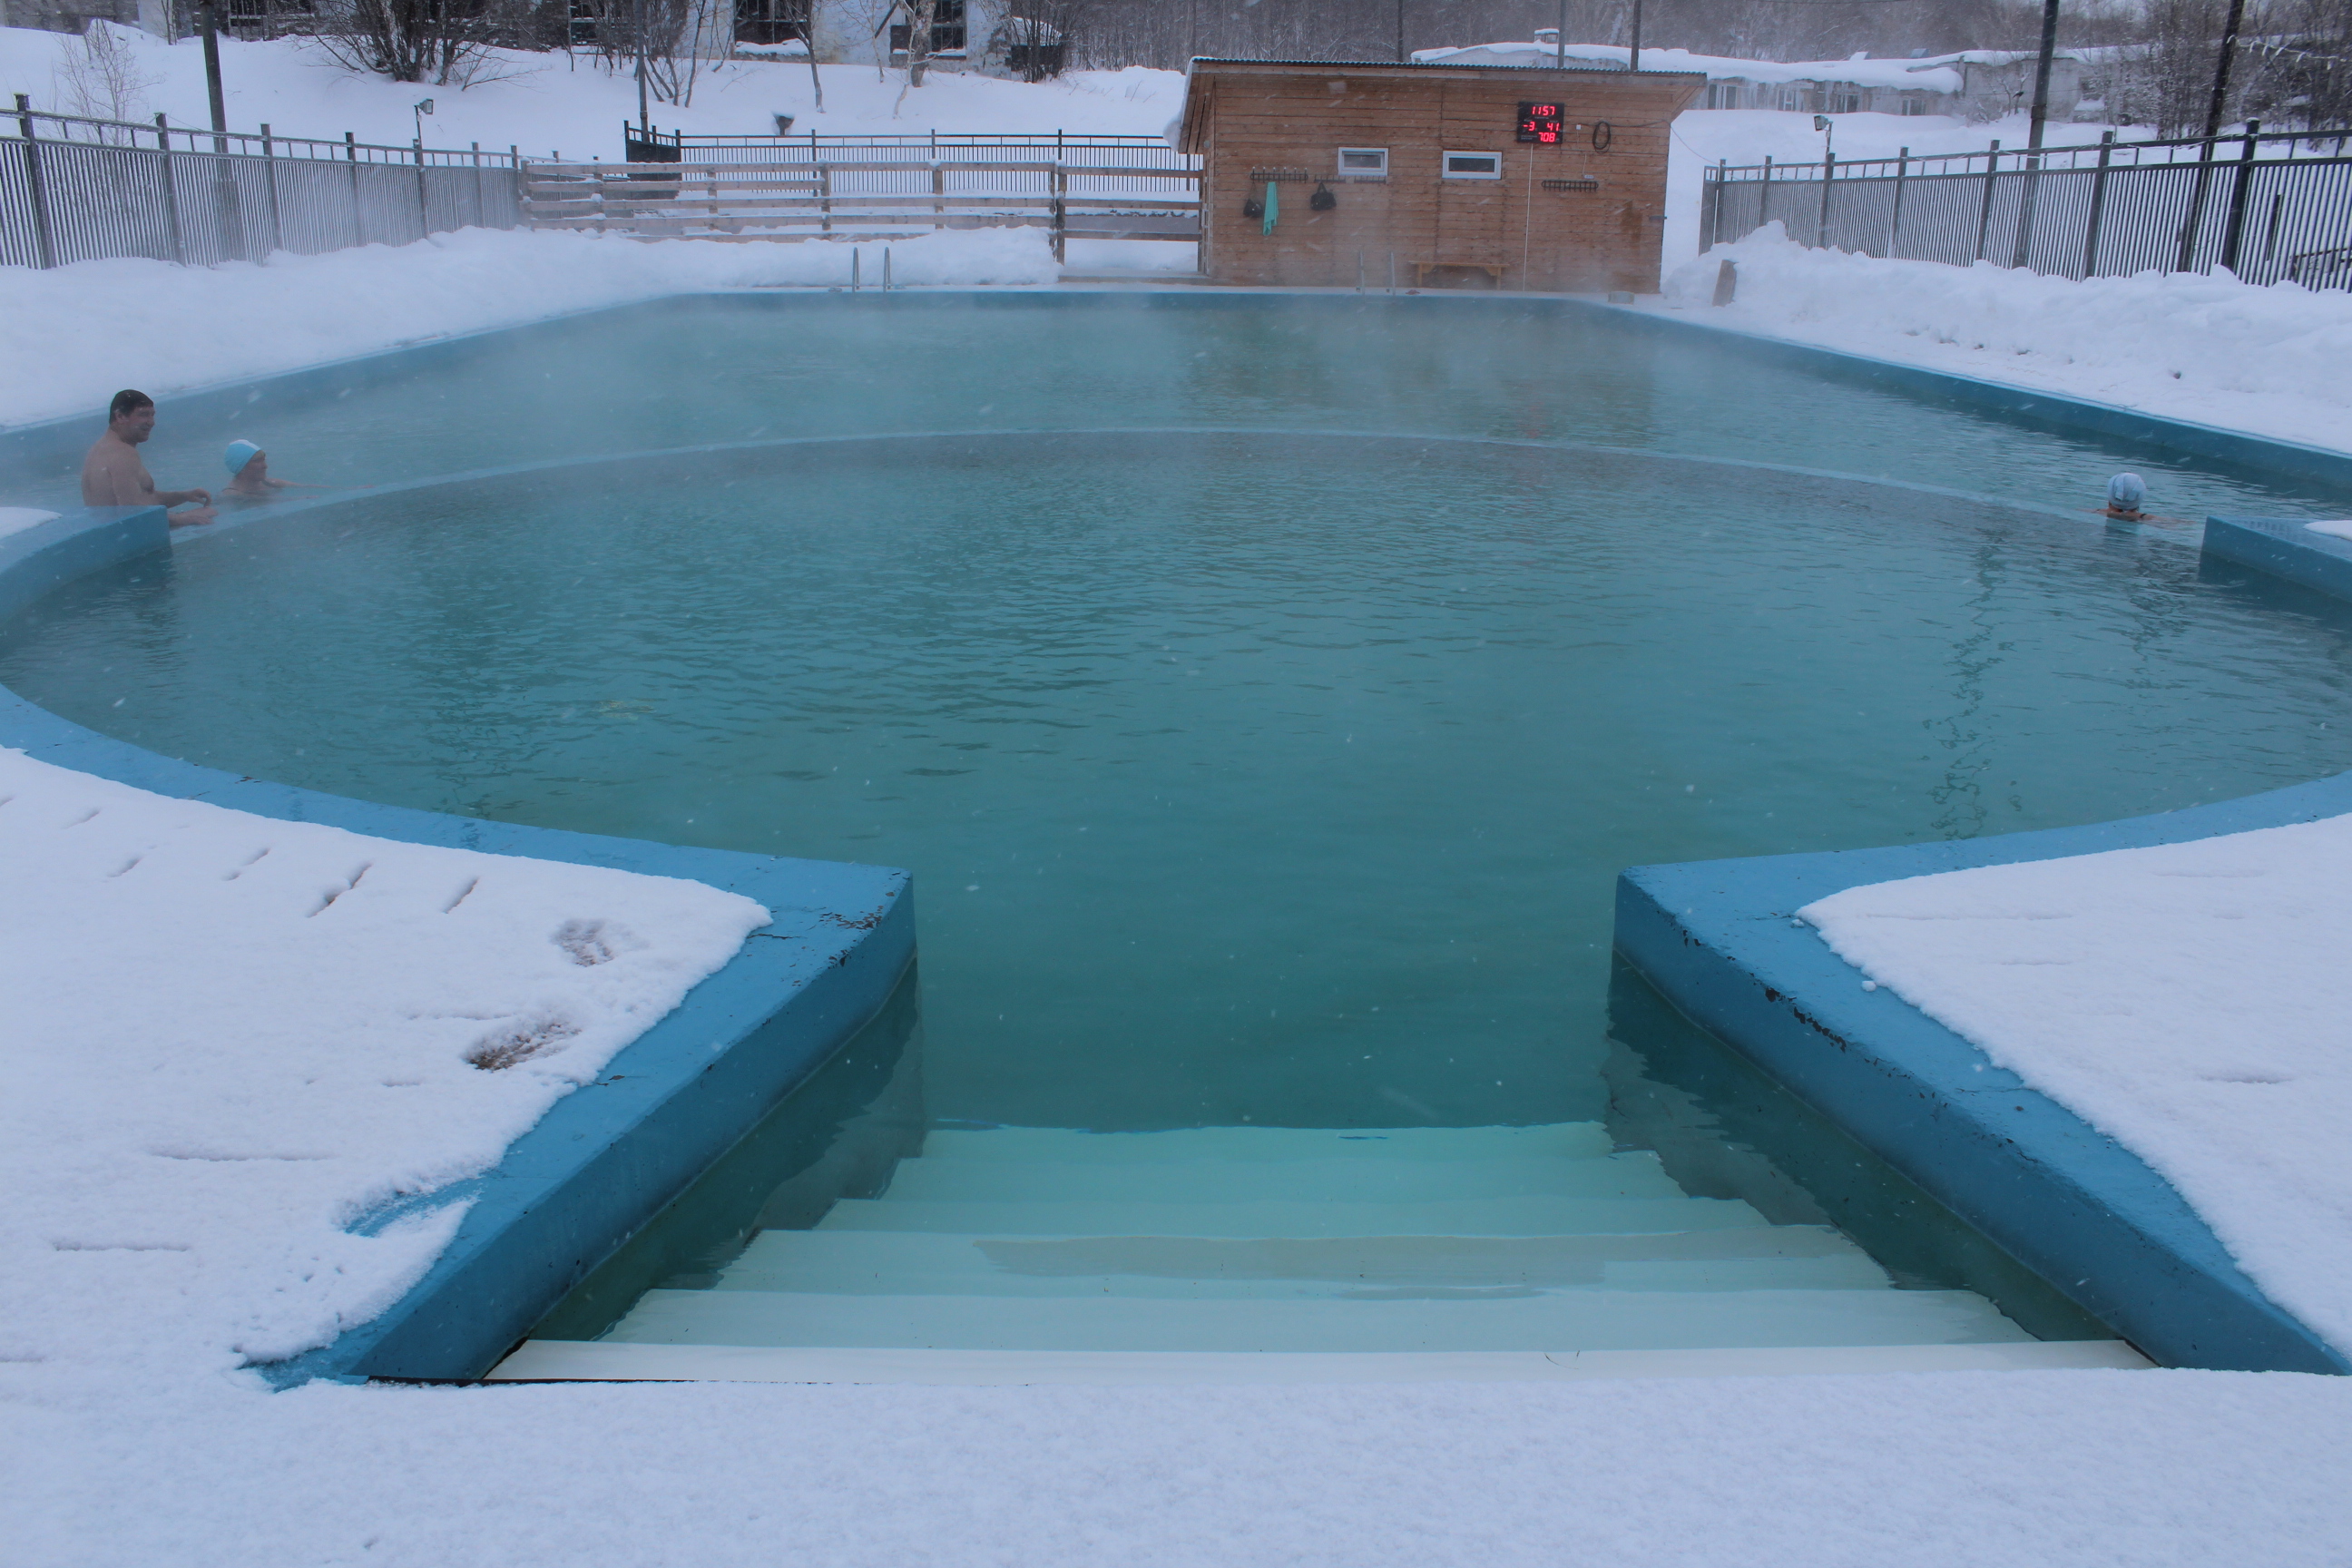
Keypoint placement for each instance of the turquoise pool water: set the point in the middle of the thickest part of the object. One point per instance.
(1272, 778)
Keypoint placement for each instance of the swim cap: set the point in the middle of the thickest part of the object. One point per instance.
(2126, 491)
(238, 455)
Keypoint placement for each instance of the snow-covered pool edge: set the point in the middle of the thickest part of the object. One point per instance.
(1721, 940)
(603, 1160)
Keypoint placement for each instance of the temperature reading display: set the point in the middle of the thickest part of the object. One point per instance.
(1541, 123)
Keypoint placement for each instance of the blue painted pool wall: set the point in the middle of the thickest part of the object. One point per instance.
(36, 561)
(1719, 940)
(604, 1159)
(599, 1165)
(2284, 548)
(2257, 456)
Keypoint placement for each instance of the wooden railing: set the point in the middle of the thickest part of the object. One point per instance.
(866, 198)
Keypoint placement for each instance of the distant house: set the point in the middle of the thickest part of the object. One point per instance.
(1976, 84)
(966, 34)
(76, 16)
(982, 36)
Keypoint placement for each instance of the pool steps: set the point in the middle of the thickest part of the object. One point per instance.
(1286, 1243)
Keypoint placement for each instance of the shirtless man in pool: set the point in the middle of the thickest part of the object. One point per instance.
(113, 474)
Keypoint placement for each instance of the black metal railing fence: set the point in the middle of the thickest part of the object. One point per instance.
(2105, 210)
(77, 189)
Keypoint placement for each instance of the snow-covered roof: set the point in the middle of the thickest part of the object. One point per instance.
(1937, 74)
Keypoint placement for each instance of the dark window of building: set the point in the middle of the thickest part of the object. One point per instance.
(946, 29)
(770, 21)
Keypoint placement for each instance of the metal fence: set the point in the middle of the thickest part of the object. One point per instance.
(73, 189)
(2267, 207)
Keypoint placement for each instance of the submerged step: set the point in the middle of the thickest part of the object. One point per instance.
(1567, 1320)
(609, 1361)
(964, 1178)
(1367, 1268)
(1468, 1217)
(1565, 1140)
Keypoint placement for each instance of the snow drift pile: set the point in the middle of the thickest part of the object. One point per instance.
(2211, 349)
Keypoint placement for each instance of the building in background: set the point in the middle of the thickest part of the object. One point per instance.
(76, 16)
(1328, 175)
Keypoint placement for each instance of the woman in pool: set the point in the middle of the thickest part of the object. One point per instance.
(249, 467)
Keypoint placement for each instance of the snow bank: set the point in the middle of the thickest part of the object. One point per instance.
(169, 327)
(2189, 1000)
(2276, 361)
(2098, 1469)
(229, 1037)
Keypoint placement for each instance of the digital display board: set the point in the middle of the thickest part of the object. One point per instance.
(1541, 123)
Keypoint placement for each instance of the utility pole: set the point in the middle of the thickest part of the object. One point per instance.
(1560, 40)
(2041, 74)
(2221, 69)
(1400, 31)
(2019, 255)
(2212, 129)
(208, 19)
(1636, 63)
(642, 116)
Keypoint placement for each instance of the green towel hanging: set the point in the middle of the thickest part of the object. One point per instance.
(1271, 203)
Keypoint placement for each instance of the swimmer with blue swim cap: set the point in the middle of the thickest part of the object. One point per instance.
(2125, 493)
(249, 467)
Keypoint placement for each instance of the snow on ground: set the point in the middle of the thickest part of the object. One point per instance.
(171, 1205)
(169, 327)
(552, 102)
(227, 1038)
(2276, 361)
(2189, 1000)
(2094, 1469)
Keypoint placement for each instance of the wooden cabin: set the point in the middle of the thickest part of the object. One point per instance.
(1460, 176)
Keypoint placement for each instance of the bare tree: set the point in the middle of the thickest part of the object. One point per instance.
(445, 42)
(921, 15)
(97, 75)
(673, 38)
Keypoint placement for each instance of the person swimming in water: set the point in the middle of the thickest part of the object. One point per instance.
(249, 480)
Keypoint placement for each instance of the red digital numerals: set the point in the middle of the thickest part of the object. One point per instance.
(1541, 123)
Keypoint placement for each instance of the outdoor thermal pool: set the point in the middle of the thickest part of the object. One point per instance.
(1249, 773)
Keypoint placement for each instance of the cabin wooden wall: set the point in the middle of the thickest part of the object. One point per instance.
(1510, 232)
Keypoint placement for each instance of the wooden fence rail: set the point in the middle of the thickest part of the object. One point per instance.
(866, 198)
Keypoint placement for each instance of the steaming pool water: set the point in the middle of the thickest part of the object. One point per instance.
(1265, 724)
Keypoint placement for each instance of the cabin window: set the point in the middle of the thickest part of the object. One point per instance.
(1913, 106)
(1723, 95)
(1474, 165)
(1364, 162)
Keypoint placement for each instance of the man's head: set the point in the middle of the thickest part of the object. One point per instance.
(132, 416)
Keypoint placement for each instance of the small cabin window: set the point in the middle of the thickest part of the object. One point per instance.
(1365, 163)
(1474, 165)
